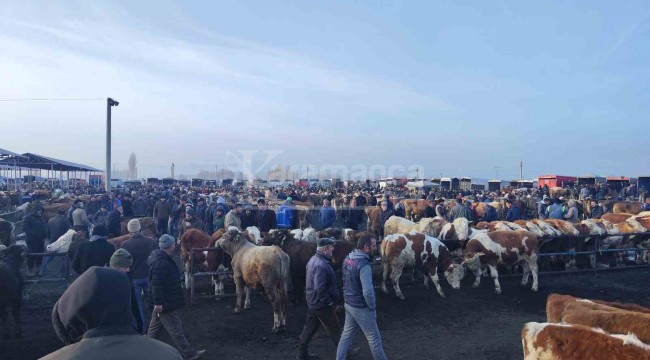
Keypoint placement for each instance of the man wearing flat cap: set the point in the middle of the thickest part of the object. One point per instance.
(322, 294)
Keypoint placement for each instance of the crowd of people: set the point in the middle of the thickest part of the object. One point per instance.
(153, 279)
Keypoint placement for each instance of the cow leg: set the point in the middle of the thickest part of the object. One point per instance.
(426, 281)
(239, 286)
(273, 296)
(397, 272)
(532, 264)
(524, 279)
(476, 270)
(386, 269)
(495, 276)
(186, 265)
(436, 282)
(247, 302)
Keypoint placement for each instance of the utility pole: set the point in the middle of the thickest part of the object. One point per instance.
(417, 171)
(521, 170)
(216, 171)
(173, 171)
(109, 103)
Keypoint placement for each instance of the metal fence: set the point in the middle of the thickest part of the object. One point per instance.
(194, 274)
(65, 279)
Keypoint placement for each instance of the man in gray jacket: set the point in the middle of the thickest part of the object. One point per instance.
(359, 296)
(80, 220)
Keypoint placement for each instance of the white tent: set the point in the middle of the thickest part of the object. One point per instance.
(421, 184)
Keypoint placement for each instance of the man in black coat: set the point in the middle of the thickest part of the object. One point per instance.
(166, 296)
(353, 215)
(35, 233)
(265, 219)
(96, 252)
(113, 222)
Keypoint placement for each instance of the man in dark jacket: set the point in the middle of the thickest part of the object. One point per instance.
(161, 211)
(247, 217)
(490, 213)
(327, 215)
(56, 226)
(383, 217)
(191, 222)
(35, 233)
(140, 247)
(123, 261)
(322, 293)
(140, 206)
(96, 309)
(96, 252)
(596, 210)
(265, 219)
(353, 215)
(166, 296)
(100, 216)
(113, 222)
(513, 211)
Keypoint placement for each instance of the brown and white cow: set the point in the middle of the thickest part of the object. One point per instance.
(616, 218)
(565, 227)
(418, 251)
(506, 247)
(610, 319)
(556, 303)
(265, 267)
(547, 228)
(542, 341)
(530, 226)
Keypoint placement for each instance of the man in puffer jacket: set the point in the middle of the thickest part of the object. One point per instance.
(166, 296)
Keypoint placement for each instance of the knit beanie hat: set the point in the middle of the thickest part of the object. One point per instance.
(133, 225)
(166, 241)
(121, 258)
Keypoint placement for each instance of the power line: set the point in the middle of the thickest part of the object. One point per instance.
(45, 99)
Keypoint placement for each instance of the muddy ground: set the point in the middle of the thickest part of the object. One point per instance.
(468, 324)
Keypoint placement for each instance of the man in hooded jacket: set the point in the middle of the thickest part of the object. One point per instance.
(93, 318)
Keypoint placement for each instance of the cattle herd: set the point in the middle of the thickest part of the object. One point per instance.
(275, 262)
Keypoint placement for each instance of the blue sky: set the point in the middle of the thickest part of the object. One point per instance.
(454, 87)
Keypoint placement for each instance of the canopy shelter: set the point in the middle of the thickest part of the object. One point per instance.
(6, 153)
(35, 161)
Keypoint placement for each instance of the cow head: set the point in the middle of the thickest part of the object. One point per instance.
(534, 228)
(63, 242)
(462, 228)
(231, 241)
(594, 229)
(636, 225)
(500, 226)
(278, 237)
(454, 274)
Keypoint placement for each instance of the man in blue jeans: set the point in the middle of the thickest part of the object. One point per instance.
(359, 297)
(140, 247)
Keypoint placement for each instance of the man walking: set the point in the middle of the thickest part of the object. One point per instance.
(35, 230)
(359, 297)
(140, 247)
(166, 295)
(322, 293)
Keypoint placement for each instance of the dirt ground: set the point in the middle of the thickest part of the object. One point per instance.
(469, 323)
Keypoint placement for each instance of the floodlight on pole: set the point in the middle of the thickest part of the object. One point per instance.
(109, 104)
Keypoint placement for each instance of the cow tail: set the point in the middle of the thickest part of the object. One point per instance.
(284, 274)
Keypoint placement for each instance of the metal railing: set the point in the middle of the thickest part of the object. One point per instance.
(193, 274)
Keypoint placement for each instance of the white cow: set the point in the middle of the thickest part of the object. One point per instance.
(62, 244)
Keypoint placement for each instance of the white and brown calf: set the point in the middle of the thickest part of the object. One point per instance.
(506, 247)
(421, 252)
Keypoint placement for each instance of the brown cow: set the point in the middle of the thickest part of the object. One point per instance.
(556, 303)
(507, 247)
(265, 267)
(421, 252)
(564, 341)
(627, 207)
(616, 218)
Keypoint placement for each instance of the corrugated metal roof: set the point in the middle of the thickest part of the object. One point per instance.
(35, 161)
